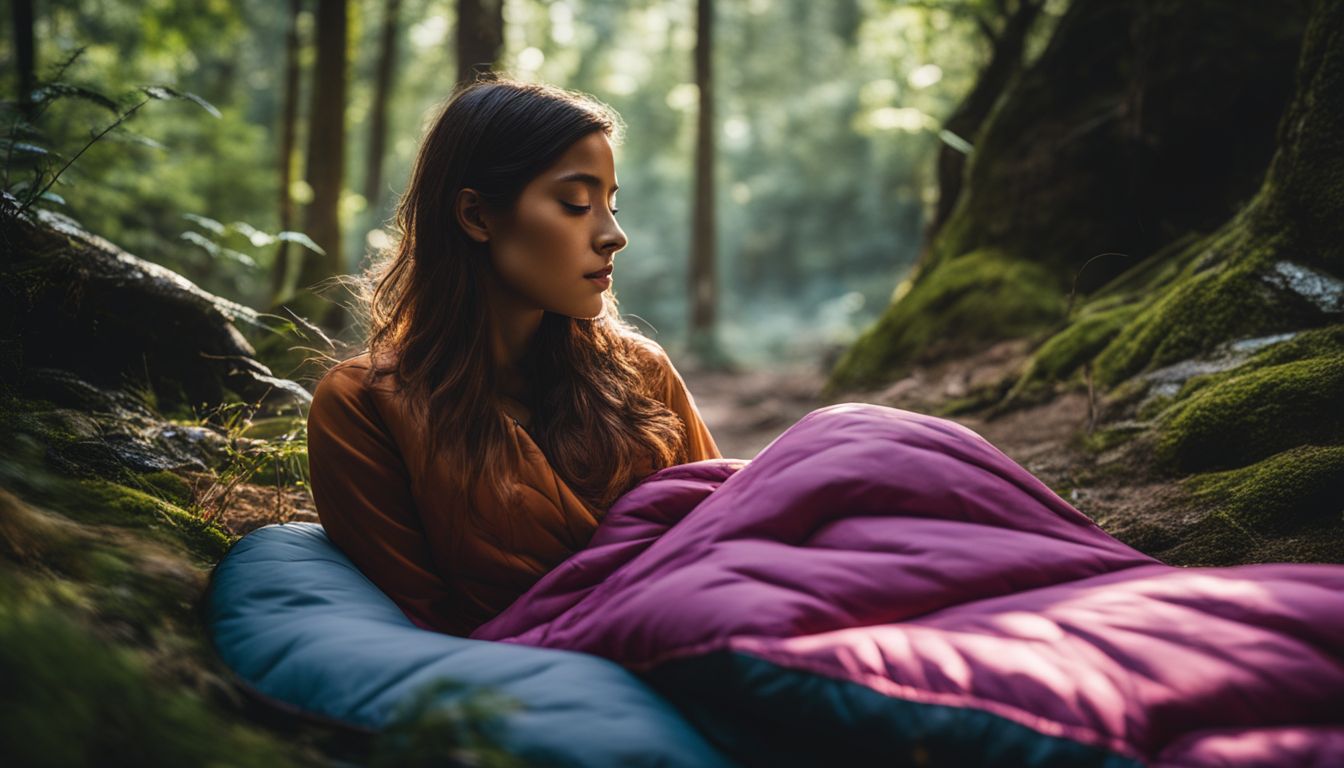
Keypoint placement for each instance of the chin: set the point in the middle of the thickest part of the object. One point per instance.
(586, 311)
(596, 311)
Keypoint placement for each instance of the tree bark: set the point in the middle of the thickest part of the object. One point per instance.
(1005, 61)
(282, 281)
(702, 283)
(387, 57)
(326, 162)
(480, 37)
(25, 55)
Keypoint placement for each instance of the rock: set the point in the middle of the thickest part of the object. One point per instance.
(78, 303)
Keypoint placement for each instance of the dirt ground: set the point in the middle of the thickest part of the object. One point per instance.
(746, 411)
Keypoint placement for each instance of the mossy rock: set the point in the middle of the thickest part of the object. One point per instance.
(1222, 296)
(1237, 287)
(1302, 486)
(74, 301)
(970, 301)
(1279, 399)
(1065, 352)
(1253, 415)
(1067, 167)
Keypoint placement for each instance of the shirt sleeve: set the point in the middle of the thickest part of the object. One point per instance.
(699, 442)
(363, 495)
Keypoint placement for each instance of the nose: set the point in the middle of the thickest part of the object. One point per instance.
(612, 240)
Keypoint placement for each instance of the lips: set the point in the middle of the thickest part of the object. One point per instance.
(604, 272)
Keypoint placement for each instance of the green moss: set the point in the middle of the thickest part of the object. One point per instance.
(102, 501)
(1067, 350)
(1107, 438)
(964, 304)
(1302, 485)
(73, 699)
(1319, 342)
(169, 486)
(1248, 415)
(1203, 309)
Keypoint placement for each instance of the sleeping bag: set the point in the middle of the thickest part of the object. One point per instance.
(881, 586)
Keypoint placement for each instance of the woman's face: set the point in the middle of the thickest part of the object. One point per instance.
(561, 229)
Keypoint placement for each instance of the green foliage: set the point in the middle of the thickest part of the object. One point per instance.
(967, 302)
(445, 723)
(24, 135)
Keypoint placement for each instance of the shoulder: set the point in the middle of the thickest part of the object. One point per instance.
(651, 360)
(343, 389)
(347, 377)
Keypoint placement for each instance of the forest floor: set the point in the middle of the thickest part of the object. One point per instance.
(745, 411)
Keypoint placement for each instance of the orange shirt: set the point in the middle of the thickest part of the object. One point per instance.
(391, 522)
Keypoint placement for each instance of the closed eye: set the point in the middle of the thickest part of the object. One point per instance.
(585, 208)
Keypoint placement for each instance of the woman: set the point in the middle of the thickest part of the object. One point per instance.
(501, 404)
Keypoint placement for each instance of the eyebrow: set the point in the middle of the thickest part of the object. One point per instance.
(586, 178)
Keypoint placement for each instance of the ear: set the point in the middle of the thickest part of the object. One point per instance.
(471, 215)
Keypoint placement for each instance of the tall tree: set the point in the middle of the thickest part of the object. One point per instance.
(382, 87)
(480, 37)
(25, 54)
(282, 282)
(702, 283)
(326, 161)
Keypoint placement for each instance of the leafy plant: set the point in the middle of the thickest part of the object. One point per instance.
(26, 144)
(224, 240)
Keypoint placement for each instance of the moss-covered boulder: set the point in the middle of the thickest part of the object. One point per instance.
(72, 301)
(1279, 264)
(1139, 122)
(1274, 402)
(1228, 371)
(982, 295)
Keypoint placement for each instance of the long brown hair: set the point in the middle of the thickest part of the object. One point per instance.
(593, 416)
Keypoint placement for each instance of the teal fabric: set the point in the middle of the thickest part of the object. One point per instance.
(295, 619)
(851, 724)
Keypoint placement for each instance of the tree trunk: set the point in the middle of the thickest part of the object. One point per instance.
(1005, 60)
(702, 283)
(387, 57)
(326, 163)
(480, 37)
(25, 55)
(1141, 121)
(282, 279)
